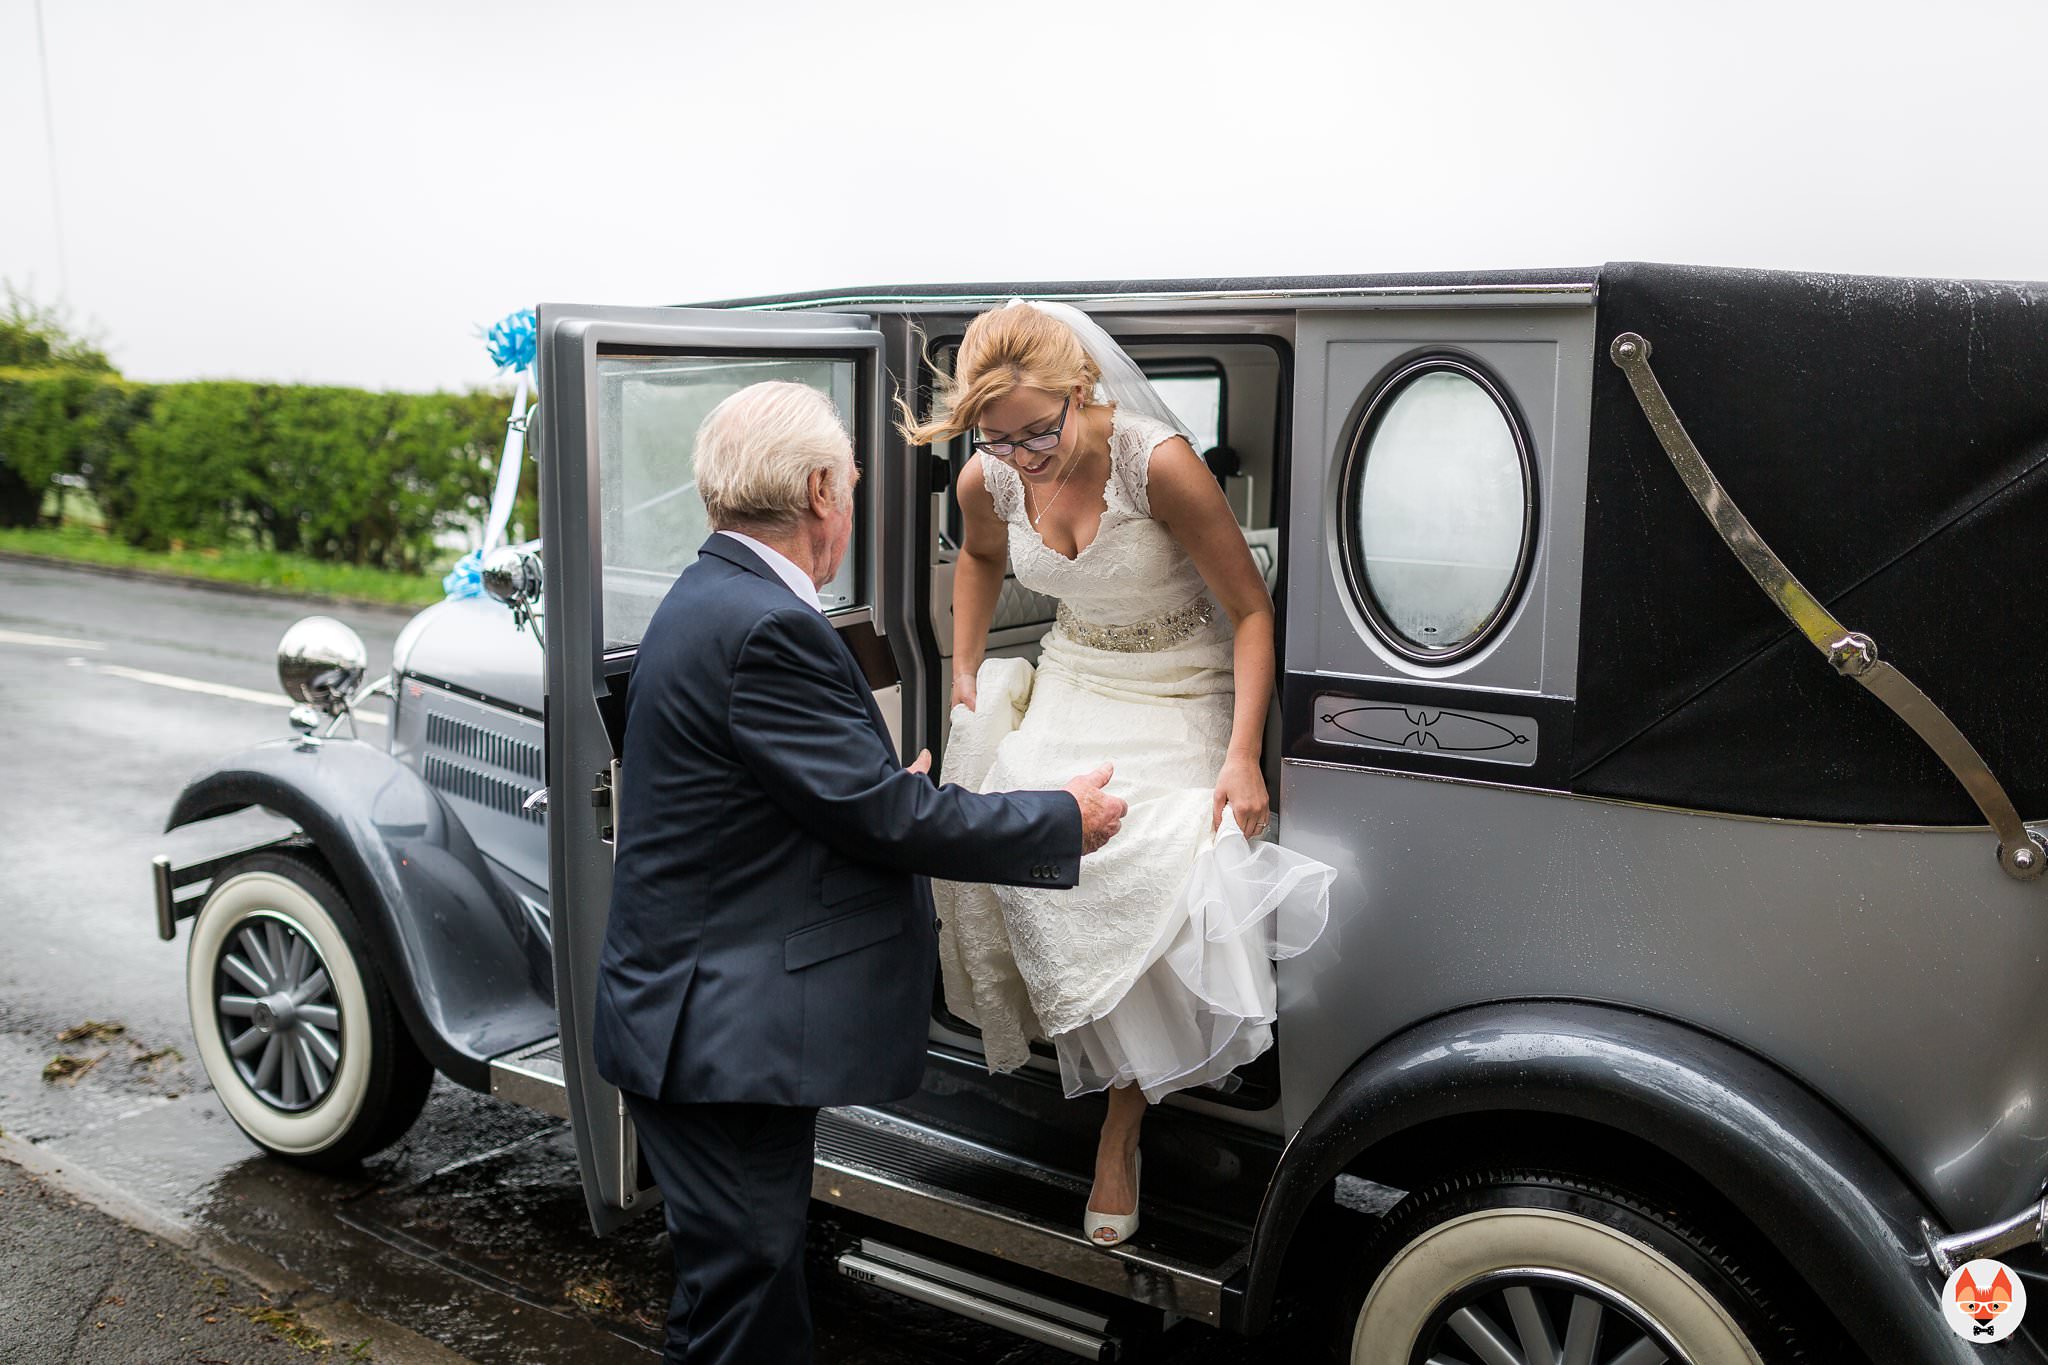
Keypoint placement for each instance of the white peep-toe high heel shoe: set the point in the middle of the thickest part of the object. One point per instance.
(1112, 1229)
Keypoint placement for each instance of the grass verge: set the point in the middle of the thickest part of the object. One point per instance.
(262, 569)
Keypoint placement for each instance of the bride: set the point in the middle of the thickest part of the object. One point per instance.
(1155, 973)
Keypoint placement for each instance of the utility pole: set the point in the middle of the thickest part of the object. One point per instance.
(50, 139)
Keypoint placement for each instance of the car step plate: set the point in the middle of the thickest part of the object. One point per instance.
(989, 1202)
(532, 1076)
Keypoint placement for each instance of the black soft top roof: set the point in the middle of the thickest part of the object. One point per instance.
(1551, 277)
(1889, 438)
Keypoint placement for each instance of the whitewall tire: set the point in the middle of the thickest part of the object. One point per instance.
(292, 1019)
(1525, 1266)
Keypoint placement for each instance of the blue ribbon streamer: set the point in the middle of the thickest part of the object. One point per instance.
(513, 342)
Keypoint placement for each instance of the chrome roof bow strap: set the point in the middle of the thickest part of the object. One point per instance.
(2022, 852)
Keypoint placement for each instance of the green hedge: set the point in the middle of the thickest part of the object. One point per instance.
(335, 474)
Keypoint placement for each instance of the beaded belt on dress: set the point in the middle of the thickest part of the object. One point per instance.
(1161, 632)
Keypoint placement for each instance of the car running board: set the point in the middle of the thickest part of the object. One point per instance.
(980, 1298)
(2022, 852)
(1008, 1210)
(987, 1202)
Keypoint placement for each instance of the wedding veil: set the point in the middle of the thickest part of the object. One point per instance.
(1123, 383)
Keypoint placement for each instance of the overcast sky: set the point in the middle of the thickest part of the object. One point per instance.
(342, 192)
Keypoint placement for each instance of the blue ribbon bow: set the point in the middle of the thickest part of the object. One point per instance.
(466, 579)
(513, 340)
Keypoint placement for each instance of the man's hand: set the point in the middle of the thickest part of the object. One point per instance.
(922, 763)
(1102, 815)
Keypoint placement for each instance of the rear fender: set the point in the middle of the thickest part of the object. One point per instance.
(1790, 1164)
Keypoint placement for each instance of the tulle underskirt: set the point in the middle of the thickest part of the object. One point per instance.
(1157, 970)
(1203, 1005)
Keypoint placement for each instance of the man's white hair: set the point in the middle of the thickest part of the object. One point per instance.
(756, 451)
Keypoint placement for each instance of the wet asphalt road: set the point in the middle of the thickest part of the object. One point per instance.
(471, 1232)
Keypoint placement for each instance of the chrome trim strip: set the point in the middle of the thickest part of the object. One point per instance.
(1575, 290)
(1131, 1273)
(1038, 1304)
(1796, 821)
(966, 1304)
(2021, 852)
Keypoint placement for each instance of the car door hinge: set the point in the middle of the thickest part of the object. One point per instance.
(601, 804)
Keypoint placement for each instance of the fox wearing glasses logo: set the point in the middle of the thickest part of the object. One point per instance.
(1984, 1301)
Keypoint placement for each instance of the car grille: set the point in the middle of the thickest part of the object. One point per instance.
(485, 746)
(476, 763)
(481, 788)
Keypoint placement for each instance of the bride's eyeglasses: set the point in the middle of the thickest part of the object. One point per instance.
(1042, 442)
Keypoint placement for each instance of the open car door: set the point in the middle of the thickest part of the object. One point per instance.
(622, 392)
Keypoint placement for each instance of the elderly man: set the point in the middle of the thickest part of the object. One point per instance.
(771, 944)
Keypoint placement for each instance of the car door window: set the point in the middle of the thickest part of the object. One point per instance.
(651, 517)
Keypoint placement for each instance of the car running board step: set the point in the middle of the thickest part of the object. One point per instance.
(990, 1202)
(979, 1298)
(532, 1076)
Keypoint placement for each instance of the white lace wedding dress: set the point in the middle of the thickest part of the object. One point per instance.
(1157, 969)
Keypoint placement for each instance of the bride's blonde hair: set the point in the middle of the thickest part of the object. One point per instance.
(1005, 349)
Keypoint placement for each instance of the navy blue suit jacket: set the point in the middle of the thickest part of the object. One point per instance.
(771, 937)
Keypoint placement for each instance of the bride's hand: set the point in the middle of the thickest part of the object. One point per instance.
(963, 690)
(1242, 787)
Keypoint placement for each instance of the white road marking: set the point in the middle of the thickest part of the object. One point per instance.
(172, 680)
(22, 637)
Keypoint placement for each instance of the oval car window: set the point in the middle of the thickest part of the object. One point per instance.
(1440, 510)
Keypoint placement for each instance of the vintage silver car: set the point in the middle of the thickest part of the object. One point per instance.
(1683, 993)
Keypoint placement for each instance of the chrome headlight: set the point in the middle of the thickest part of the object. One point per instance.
(321, 662)
(512, 576)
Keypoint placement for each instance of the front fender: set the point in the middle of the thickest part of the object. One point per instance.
(437, 919)
(1793, 1166)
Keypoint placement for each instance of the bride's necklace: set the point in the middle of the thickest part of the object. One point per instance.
(1046, 506)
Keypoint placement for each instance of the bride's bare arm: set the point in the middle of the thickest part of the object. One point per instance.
(977, 577)
(1188, 501)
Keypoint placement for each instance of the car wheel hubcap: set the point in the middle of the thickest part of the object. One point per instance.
(1536, 1317)
(278, 1013)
